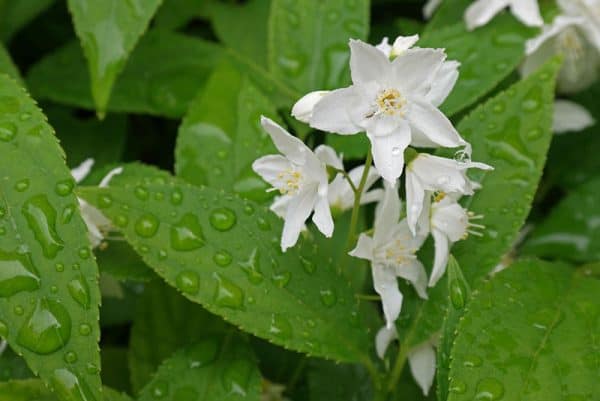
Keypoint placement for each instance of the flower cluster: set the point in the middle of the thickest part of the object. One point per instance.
(394, 97)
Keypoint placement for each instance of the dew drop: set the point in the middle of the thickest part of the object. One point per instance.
(17, 274)
(26, 116)
(396, 151)
(80, 292)
(64, 188)
(222, 258)
(146, 226)
(59, 267)
(188, 282)
(176, 197)
(67, 214)
(69, 387)
(47, 329)
(202, 353)
(308, 266)
(535, 134)
(489, 389)
(530, 104)
(457, 294)
(160, 389)
(18, 309)
(22, 185)
(263, 224)
(281, 279)
(222, 219)
(105, 201)
(457, 386)
(252, 267)
(41, 219)
(472, 361)
(84, 253)
(141, 193)
(236, 377)
(328, 297)
(186, 235)
(228, 294)
(248, 209)
(162, 254)
(7, 131)
(85, 329)
(280, 327)
(70, 357)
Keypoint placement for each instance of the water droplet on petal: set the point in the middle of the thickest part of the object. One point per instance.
(47, 329)
(222, 219)
(41, 218)
(396, 151)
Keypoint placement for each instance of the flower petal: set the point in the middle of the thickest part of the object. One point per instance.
(482, 11)
(364, 248)
(270, 167)
(422, 365)
(280, 205)
(303, 109)
(559, 24)
(383, 339)
(109, 176)
(290, 146)
(328, 155)
(403, 43)
(444, 83)
(298, 211)
(82, 171)
(442, 251)
(430, 8)
(387, 215)
(388, 152)
(434, 124)
(322, 216)
(527, 11)
(415, 196)
(334, 112)
(386, 285)
(367, 63)
(414, 71)
(416, 274)
(570, 117)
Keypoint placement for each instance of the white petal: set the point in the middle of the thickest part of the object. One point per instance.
(108, 177)
(570, 117)
(434, 124)
(293, 148)
(334, 113)
(303, 109)
(372, 196)
(82, 171)
(416, 274)
(415, 196)
(385, 47)
(383, 339)
(280, 205)
(327, 155)
(442, 251)
(444, 83)
(527, 11)
(414, 71)
(322, 216)
(430, 8)
(364, 248)
(559, 24)
(298, 211)
(403, 43)
(422, 365)
(384, 281)
(387, 215)
(482, 11)
(270, 167)
(388, 152)
(367, 63)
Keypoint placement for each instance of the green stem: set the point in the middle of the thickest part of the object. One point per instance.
(398, 368)
(357, 196)
(347, 177)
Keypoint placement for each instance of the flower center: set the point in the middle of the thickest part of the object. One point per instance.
(290, 182)
(391, 102)
(570, 44)
(397, 253)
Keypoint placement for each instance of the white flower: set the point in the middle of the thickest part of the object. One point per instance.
(301, 177)
(401, 44)
(391, 251)
(341, 195)
(391, 101)
(426, 173)
(430, 8)
(95, 221)
(482, 11)
(421, 358)
(303, 108)
(570, 117)
(574, 34)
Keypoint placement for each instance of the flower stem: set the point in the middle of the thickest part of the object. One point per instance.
(357, 196)
(347, 177)
(398, 368)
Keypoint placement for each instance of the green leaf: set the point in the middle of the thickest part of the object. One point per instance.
(351, 146)
(459, 294)
(15, 14)
(108, 31)
(571, 232)
(162, 76)
(215, 368)
(328, 381)
(221, 136)
(34, 390)
(530, 333)
(164, 322)
(8, 67)
(303, 31)
(486, 58)
(449, 13)
(48, 289)
(120, 261)
(224, 253)
(175, 14)
(13, 367)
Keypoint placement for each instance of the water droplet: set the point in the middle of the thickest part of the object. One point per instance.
(22, 185)
(328, 297)
(308, 265)
(54, 289)
(281, 279)
(293, 65)
(162, 254)
(186, 235)
(228, 294)
(458, 294)
(248, 209)
(457, 386)
(203, 353)
(141, 193)
(160, 389)
(18, 309)
(176, 197)
(396, 151)
(222, 258)
(489, 389)
(531, 104)
(70, 357)
(64, 188)
(80, 292)
(59, 267)
(188, 282)
(105, 201)
(121, 220)
(535, 134)
(84, 253)
(69, 387)
(25, 116)
(3, 329)
(47, 329)
(252, 267)
(76, 266)
(41, 218)
(67, 214)
(236, 377)
(222, 219)
(263, 224)
(85, 329)
(17, 274)
(7, 131)
(146, 226)
(280, 327)
(92, 369)
(159, 196)
(472, 361)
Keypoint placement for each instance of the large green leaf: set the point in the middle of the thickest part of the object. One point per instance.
(216, 368)
(48, 287)
(164, 322)
(510, 132)
(530, 333)
(7, 66)
(34, 390)
(119, 260)
(572, 231)
(221, 136)
(224, 253)
(14, 14)
(486, 58)
(163, 75)
(108, 31)
(308, 40)
(175, 14)
(13, 367)
(328, 381)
